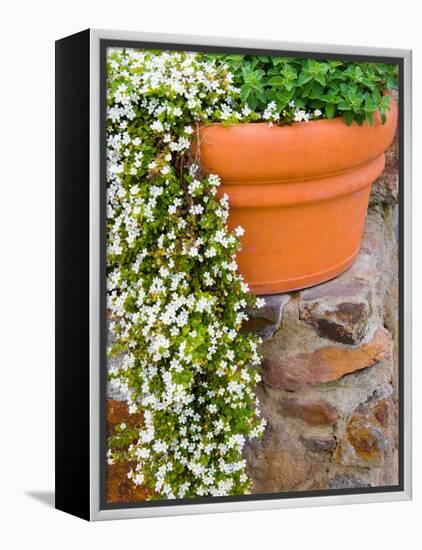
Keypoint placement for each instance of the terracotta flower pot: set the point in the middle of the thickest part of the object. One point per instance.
(300, 192)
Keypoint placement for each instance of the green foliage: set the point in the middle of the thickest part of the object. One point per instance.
(175, 298)
(336, 88)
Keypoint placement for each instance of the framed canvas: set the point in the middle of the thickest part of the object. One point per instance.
(233, 291)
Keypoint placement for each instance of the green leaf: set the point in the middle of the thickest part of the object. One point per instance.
(252, 102)
(244, 92)
(343, 106)
(348, 117)
(304, 78)
(368, 118)
(330, 110)
(289, 72)
(315, 91)
(276, 81)
(320, 79)
(262, 97)
(282, 99)
(278, 61)
(359, 118)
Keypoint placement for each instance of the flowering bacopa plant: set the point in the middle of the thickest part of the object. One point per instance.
(175, 298)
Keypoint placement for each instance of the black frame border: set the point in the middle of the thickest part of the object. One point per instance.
(72, 274)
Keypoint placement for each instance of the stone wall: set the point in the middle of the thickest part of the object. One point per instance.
(329, 388)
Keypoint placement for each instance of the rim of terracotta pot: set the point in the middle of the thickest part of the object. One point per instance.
(300, 192)
(255, 152)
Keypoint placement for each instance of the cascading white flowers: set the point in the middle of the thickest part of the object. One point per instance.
(175, 298)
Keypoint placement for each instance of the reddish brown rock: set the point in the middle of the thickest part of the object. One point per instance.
(367, 435)
(325, 364)
(119, 488)
(117, 412)
(314, 412)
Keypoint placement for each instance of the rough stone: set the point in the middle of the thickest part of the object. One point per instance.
(374, 262)
(119, 487)
(339, 311)
(325, 364)
(117, 412)
(346, 481)
(368, 433)
(318, 444)
(344, 395)
(366, 438)
(266, 320)
(385, 188)
(315, 412)
(278, 462)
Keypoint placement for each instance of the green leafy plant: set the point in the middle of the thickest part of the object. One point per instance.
(175, 298)
(329, 87)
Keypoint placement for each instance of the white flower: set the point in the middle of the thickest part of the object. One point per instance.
(214, 180)
(212, 408)
(157, 126)
(271, 112)
(160, 446)
(210, 252)
(155, 191)
(196, 209)
(260, 303)
(246, 111)
(301, 115)
(204, 304)
(138, 479)
(155, 296)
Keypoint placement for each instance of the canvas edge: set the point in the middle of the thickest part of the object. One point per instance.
(96, 513)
